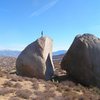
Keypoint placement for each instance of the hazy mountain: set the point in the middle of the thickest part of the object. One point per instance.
(60, 52)
(12, 53)
(9, 53)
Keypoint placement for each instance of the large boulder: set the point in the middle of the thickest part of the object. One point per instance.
(82, 61)
(36, 60)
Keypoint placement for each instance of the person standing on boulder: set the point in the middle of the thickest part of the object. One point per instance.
(41, 33)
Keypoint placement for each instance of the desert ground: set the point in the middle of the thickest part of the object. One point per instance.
(61, 87)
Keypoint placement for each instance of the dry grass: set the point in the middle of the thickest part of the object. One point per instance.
(14, 98)
(7, 64)
(17, 85)
(62, 87)
(7, 84)
(4, 91)
(25, 93)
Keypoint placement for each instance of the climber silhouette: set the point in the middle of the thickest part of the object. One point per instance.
(41, 33)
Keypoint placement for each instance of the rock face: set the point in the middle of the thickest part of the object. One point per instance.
(82, 61)
(36, 60)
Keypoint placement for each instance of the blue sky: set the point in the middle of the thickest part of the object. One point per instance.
(21, 21)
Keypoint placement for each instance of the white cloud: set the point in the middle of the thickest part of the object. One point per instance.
(44, 8)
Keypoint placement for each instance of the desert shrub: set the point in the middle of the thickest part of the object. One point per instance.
(17, 85)
(4, 91)
(51, 84)
(27, 78)
(13, 98)
(59, 98)
(1, 74)
(8, 84)
(81, 98)
(34, 98)
(33, 80)
(69, 97)
(41, 80)
(35, 86)
(8, 76)
(95, 90)
(25, 93)
(43, 98)
(16, 78)
(49, 93)
(61, 89)
(68, 83)
(88, 97)
(44, 95)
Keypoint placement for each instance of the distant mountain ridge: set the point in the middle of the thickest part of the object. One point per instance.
(15, 53)
(59, 52)
(9, 53)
